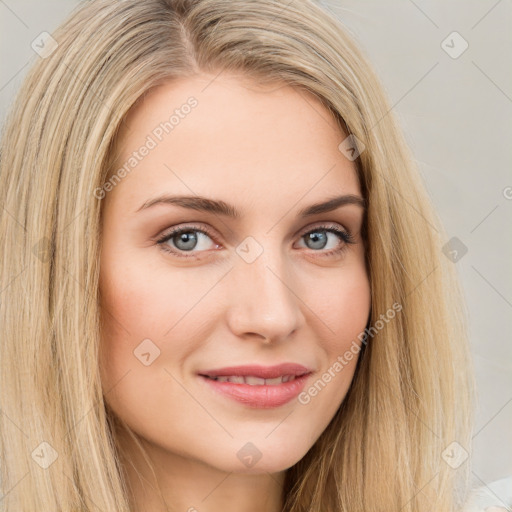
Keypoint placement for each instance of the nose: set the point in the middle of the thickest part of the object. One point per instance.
(262, 302)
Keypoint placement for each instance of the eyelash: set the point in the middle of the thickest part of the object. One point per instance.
(345, 236)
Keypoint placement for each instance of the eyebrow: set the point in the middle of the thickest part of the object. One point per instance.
(222, 208)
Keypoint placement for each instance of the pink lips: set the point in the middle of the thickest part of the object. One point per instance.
(261, 396)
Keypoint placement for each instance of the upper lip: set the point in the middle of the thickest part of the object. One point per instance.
(264, 372)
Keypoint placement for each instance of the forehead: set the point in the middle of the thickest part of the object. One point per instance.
(207, 133)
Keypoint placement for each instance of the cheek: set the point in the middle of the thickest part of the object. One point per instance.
(341, 313)
(142, 301)
(343, 306)
(132, 300)
(136, 311)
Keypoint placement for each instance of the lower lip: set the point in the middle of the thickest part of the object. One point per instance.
(261, 397)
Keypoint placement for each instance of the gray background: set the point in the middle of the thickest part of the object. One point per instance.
(456, 115)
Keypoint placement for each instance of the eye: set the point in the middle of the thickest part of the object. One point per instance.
(318, 240)
(325, 240)
(185, 239)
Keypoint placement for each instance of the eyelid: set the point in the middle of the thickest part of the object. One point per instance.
(323, 225)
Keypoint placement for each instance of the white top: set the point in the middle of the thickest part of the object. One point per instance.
(495, 497)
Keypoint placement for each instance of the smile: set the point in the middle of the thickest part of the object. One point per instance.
(256, 392)
(254, 381)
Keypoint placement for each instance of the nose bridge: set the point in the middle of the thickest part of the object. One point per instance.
(262, 301)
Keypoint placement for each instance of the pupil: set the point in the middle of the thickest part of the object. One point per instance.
(319, 239)
(186, 241)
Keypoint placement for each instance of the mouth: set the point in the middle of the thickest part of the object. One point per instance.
(257, 386)
(254, 371)
(252, 380)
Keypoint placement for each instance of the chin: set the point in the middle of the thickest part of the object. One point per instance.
(251, 460)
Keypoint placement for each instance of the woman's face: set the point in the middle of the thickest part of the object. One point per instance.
(273, 285)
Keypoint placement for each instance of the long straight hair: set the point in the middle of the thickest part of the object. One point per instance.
(411, 396)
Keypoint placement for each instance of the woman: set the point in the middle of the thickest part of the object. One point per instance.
(223, 280)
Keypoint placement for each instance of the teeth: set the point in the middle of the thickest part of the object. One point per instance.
(274, 382)
(254, 381)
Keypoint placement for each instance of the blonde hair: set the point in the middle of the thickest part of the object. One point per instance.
(412, 393)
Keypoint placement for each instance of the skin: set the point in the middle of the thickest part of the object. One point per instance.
(268, 151)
